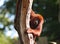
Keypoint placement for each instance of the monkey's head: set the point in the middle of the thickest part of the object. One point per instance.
(34, 22)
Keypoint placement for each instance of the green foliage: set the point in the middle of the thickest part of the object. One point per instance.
(4, 39)
(5, 22)
(10, 6)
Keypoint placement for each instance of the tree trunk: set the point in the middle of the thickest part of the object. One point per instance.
(20, 20)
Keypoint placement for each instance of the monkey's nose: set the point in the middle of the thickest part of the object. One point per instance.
(34, 22)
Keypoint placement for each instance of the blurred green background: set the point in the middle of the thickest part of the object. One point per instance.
(49, 9)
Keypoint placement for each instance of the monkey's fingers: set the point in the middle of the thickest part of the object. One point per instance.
(35, 32)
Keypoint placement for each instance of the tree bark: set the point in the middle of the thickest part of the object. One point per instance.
(20, 20)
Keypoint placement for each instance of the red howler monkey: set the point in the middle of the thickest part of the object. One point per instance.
(36, 23)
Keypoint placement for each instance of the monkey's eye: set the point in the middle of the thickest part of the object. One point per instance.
(34, 23)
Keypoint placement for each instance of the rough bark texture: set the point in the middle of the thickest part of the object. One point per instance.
(20, 20)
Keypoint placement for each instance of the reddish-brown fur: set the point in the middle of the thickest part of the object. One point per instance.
(37, 30)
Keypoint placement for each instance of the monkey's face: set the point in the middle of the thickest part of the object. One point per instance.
(34, 22)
